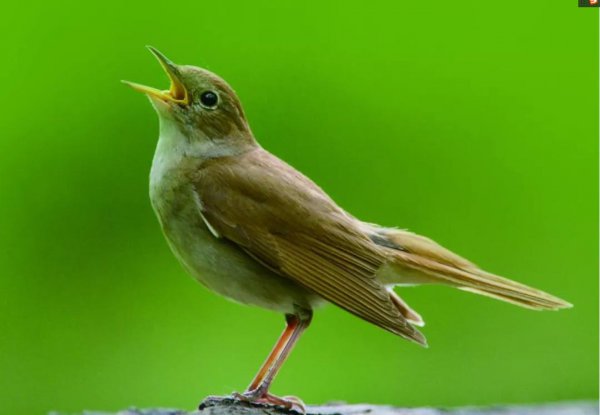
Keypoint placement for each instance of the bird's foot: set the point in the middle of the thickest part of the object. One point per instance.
(291, 403)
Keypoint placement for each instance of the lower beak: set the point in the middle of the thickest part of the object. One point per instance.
(176, 93)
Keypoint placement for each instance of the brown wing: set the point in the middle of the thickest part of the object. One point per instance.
(284, 220)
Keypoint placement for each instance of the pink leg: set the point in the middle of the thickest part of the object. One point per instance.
(258, 391)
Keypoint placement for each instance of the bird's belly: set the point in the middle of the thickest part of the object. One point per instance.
(222, 266)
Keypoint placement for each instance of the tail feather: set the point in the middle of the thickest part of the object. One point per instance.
(407, 312)
(506, 299)
(484, 283)
(517, 293)
(412, 252)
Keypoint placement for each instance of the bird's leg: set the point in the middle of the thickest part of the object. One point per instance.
(258, 391)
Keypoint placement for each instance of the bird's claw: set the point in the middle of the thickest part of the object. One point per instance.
(291, 403)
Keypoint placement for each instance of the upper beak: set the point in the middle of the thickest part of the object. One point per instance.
(176, 93)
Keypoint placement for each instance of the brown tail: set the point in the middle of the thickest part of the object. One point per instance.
(484, 283)
(416, 253)
(408, 313)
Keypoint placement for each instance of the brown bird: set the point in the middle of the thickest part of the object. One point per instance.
(252, 228)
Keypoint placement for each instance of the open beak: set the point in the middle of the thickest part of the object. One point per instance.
(176, 93)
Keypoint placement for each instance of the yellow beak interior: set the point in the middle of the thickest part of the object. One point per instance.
(176, 93)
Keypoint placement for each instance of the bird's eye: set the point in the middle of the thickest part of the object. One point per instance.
(209, 99)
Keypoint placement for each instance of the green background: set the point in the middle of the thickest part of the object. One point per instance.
(475, 123)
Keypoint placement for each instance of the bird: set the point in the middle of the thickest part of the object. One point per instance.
(252, 228)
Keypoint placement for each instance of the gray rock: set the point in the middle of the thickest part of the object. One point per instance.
(231, 406)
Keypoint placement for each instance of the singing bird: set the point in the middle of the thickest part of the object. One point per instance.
(252, 228)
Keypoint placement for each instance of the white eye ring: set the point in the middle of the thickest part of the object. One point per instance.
(209, 99)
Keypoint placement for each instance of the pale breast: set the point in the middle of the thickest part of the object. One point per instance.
(217, 263)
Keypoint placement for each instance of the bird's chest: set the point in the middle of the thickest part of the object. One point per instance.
(210, 260)
(216, 263)
(178, 209)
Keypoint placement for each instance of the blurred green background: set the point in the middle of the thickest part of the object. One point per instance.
(475, 123)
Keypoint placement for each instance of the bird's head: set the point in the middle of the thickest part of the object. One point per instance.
(199, 104)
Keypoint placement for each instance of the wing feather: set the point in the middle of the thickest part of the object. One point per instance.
(290, 225)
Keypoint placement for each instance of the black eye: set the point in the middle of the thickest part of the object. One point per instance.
(209, 99)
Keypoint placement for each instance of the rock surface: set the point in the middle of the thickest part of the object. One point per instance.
(230, 406)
